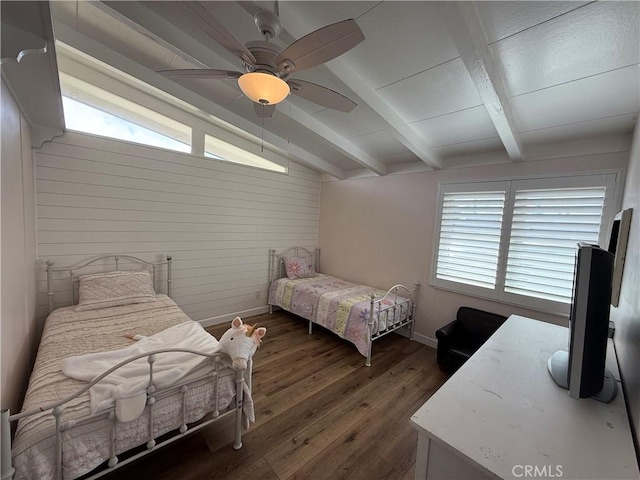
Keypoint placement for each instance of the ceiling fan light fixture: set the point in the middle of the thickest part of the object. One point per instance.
(263, 88)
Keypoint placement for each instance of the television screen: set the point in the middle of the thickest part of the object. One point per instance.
(582, 369)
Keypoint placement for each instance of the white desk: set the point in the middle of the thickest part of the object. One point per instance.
(501, 416)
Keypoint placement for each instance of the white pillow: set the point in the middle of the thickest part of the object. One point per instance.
(102, 290)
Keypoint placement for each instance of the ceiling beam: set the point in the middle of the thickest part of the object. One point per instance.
(339, 142)
(151, 23)
(297, 27)
(72, 37)
(464, 26)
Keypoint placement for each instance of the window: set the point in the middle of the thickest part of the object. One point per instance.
(102, 100)
(90, 109)
(547, 224)
(515, 241)
(83, 118)
(220, 150)
(470, 237)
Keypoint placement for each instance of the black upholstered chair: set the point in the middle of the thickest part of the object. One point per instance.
(460, 339)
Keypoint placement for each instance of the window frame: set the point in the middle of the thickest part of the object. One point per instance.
(93, 71)
(226, 152)
(610, 179)
(125, 121)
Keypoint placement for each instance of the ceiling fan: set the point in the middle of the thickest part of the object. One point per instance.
(265, 79)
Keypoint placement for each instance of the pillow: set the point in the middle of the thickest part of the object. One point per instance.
(102, 290)
(298, 267)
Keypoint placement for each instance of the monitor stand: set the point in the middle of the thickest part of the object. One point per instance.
(558, 366)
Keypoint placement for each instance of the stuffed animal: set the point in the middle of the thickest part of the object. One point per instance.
(241, 341)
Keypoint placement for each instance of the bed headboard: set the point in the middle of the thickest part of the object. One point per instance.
(276, 265)
(73, 270)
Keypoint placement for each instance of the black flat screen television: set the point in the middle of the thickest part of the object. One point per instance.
(582, 370)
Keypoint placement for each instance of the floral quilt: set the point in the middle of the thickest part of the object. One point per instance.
(338, 305)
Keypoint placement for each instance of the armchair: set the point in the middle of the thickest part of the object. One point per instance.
(460, 339)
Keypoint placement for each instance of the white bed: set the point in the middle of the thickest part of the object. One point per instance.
(357, 313)
(67, 440)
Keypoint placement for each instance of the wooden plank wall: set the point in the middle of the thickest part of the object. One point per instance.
(218, 220)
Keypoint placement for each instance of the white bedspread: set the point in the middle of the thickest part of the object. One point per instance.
(132, 378)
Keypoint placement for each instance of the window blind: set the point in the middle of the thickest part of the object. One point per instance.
(470, 237)
(545, 228)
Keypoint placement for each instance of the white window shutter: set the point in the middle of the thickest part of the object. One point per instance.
(469, 242)
(545, 228)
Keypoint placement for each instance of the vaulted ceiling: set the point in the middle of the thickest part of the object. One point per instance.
(438, 84)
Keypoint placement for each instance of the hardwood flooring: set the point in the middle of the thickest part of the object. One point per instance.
(320, 413)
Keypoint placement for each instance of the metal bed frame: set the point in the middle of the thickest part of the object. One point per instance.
(153, 394)
(406, 308)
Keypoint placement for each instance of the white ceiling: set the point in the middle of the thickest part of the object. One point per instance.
(437, 83)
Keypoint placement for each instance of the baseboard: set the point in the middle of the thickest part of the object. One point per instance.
(207, 322)
(428, 341)
(423, 339)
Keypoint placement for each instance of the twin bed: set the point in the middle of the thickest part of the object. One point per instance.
(357, 313)
(64, 432)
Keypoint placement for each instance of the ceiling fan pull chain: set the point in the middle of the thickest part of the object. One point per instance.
(289, 129)
(262, 132)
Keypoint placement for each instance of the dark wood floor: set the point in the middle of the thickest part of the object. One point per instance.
(320, 413)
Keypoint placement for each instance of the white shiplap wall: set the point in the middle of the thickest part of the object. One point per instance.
(98, 196)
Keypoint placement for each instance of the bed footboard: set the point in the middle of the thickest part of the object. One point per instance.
(153, 395)
(6, 467)
(387, 312)
(391, 314)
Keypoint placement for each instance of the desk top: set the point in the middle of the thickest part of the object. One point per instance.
(502, 410)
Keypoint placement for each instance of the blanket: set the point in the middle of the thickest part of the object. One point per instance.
(340, 306)
(131, 380)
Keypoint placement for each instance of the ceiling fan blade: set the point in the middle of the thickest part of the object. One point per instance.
(218, 32)
(322, 95)
(263, 111)
(201, 73)
(320, 46)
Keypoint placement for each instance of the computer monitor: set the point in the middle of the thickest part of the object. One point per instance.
(581, 369)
